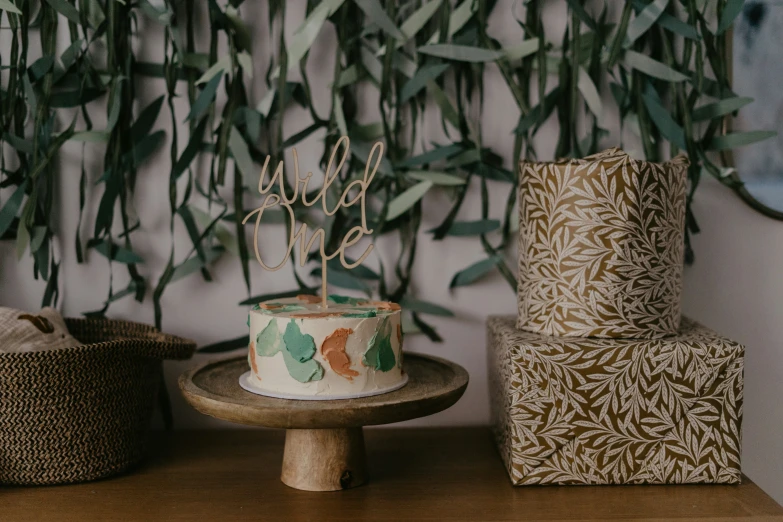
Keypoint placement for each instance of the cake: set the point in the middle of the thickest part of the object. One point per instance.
(300, 350)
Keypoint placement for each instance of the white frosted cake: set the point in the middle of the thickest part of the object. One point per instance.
(299, 350)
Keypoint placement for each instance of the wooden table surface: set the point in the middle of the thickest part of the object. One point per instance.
(415, 474)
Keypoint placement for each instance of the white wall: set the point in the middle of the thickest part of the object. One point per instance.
(735, 287)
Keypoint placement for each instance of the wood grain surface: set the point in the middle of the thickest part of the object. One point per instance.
(415, 474)
(434, 384)
(324, 460)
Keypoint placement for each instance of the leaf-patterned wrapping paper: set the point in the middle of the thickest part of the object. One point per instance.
(601, 246)
(610, 411)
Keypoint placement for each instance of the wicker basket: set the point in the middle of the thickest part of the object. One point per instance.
(82, 413)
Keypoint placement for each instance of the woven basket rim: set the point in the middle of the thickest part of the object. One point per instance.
(177, 344)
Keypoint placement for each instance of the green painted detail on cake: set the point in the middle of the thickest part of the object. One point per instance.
(386, 359)
(300, 346)
(298, 352)
(379, 354)
(256, 307)
(306, 371)
(356, 315)
(268, 340)
(342, 299)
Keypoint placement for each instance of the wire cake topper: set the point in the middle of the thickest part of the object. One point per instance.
(353, 236)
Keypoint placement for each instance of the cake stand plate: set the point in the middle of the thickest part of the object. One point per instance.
(324, 444)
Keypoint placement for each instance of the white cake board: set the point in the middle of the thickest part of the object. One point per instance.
(247, 385)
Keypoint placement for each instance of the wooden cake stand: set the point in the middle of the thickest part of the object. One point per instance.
(324, 443)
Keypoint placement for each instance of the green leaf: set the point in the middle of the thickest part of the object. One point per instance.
(241, 32)
(91, 136)
(437, 154)
(280, 295)
(472, 228)
(223, 235)
(204, 99)
(644, 20)
(37, 239)
(20, 144)
(426, 329)
(7, 5)
(377, 14)
(474, 272)
(425, 74)
(118, 253)
(246, 63)
(672, 23)
(40, 67)
(75, 98)
(522, 49)
(447, 109)
(349, 76)
(194, 264)
(22, 240)
(11, 208)
(198, 61)
(438, 178)
(360, 271)
(362, 152)
(217, 69)
(143, 124)
(66, 9)
(720, 108)
(144, 148)
(461, 53)
(115, 103)
(535, 116)
(652, 67)
(343, 279)
(663, 120)
(739, 139)
(407, 199)
(241, 153)
(678, 27)
(424, 307)
(191, 149)
(577, 7)
(731, 10)
(305, 35)
(590, 93)
(419, 19)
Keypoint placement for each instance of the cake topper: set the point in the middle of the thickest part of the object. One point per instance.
(358, 186)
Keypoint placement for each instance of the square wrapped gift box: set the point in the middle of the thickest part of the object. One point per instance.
(612, 411)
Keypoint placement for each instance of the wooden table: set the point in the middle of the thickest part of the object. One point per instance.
(417, 474)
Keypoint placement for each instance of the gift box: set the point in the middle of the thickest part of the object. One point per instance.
(616, 411)
(601, 246)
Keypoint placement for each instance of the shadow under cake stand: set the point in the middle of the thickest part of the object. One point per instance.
(324, 443)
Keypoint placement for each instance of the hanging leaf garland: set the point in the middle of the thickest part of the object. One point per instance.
(664, 62)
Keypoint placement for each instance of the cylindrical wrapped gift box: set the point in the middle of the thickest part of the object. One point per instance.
(601, 246)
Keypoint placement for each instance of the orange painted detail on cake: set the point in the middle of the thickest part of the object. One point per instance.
(252, 358)
(316, 315)
(386, 305)
(269, 306)
(311, 299)
(333, 350)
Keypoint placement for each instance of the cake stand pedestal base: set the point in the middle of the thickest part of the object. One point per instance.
(324, 444)
(324, 459)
